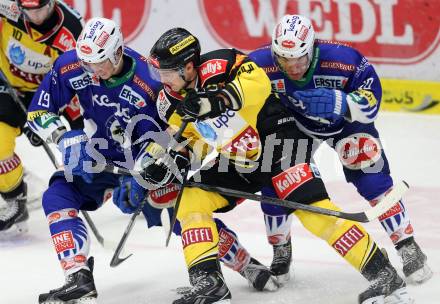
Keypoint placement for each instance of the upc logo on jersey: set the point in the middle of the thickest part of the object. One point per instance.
(82, 81)
(63, 241)
(290, 179)
(133, 97)
(359, 151)
(65, 40)
(348, 240)
(196, 235)
(327, 81)
(212, 68)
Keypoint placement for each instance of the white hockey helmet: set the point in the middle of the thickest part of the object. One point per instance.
(100, 39)
(293, 37)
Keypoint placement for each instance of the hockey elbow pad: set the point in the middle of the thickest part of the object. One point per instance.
(48, 126)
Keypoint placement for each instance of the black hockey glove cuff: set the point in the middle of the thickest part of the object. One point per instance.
(201, 105)
(34, 139)
(164, 170)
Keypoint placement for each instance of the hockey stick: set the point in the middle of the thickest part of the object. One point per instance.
(184, 182)
(51, 156)
(116, 260)
(366, 216)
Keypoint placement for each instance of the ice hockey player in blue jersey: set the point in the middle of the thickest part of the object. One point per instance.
(114, 89)
(117, 98)
(334, 94)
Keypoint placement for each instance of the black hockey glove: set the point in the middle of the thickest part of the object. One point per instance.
(34, 139)
(165, 169)
(201, 105)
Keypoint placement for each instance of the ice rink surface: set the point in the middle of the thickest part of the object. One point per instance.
(29, 266)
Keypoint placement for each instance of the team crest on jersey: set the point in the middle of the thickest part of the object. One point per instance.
(134, 98)
(359, 151)
(278, 85)
(65, 40)
(162, 105)
(211, 68)
(329, 81)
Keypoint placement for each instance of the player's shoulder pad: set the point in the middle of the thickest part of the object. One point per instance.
(262, 56)
(142, 77)
(67, 64)
(338, 55)
(72, 24)
(166, 103)
(216, 66)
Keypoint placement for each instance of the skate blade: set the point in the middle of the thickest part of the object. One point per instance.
(272, 284)
(420, 276)
(226, 301)
(400, 296)
(86, 300)
(283, 278)
(15, 231)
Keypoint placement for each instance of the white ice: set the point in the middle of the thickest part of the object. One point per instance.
(29, 266)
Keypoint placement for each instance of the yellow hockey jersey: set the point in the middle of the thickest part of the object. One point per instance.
(27, 51)
(233, 134)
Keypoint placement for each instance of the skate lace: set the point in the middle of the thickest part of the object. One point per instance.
(382, 281)
(252, 271)
(9, 211)
(281, 254)
(200, 285)
(409, 254)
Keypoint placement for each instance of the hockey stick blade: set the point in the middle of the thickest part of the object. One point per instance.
(390, 199)
(116, 259)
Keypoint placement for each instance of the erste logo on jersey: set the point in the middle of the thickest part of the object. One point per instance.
(211, 68)
(130, 15)
(64, 40)
(328, 81)
(359, 151)
(83, 80)
(396, 32)
(134, 98)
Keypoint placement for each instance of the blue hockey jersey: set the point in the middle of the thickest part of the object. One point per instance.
(335, 66)
(117, 111)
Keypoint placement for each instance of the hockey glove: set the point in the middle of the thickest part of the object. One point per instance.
(200, 105)
(34, 139)
(323, 105)
(73, 149)
(128, 195)
(165, 169)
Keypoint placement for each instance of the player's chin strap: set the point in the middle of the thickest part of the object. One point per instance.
(372, 213)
